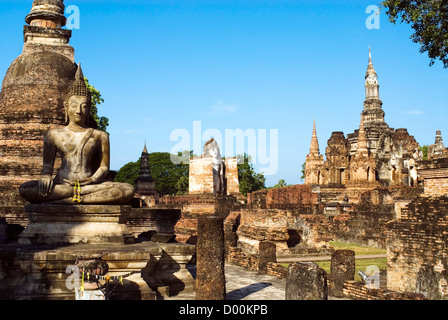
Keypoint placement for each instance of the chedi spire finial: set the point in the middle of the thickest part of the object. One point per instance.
(47, 14)
(314, 147)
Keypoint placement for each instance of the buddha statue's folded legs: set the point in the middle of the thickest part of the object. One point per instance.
(104, 193)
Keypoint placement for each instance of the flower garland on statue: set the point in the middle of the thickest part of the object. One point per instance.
(77, 192)
(86, 276)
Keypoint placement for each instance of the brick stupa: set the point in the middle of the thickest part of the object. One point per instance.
(31, 101)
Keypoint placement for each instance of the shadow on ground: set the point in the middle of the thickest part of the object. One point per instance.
(241, 293)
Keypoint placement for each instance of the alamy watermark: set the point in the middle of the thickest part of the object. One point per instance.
(73, 281)
(73, 17)
(253, 142)
(371, 277)
(373, 20)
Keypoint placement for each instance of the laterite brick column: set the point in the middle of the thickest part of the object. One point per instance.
(210, 277)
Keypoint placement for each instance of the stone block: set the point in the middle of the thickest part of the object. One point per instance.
(342, 269)
(306, 281)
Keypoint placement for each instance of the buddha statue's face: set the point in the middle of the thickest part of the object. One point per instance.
(78, 110)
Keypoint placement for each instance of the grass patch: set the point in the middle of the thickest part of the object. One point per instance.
(359, 250)
(360, 265)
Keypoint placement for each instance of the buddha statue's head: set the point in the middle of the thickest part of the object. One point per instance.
(78, 102)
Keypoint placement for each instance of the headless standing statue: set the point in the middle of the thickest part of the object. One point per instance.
(85, 155)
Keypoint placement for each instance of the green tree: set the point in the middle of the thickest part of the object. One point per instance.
(249, 180)
(281, 183)
(424, 149)
(102, 122)
(429, 19)
(182, 185)
(165, 173)
(303, 170)
(129, 172)
(168, 177)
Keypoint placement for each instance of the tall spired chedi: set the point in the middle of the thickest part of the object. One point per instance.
(31, 101)
(373, 155)
(145, 185)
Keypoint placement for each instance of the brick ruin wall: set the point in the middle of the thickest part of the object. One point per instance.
(359, 291)
(291, 197)
(31, 102)
(417, 248)
(257, 225)
(435, 176)
(366, 223)
(201, 176)
(238, 257)
(193, 206)
(144, 222)
(296, 208)
(437, 186)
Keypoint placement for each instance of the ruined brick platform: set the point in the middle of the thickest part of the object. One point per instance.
(159, 271)
(72, 224)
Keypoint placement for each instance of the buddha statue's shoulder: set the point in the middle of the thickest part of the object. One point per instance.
(55, 132)
(100, 134)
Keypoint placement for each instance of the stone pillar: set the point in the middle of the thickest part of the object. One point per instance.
(306, 281)
(267, 253)
(342, 269)
(210, 277)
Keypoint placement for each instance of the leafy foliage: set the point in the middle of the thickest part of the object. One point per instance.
(173, 179)
(424, 149)
(102, 122)
(281, 183)
(429, 19)
(250, 181)
(303, 170)
(182, 185)
(170, 178)
(129, 172)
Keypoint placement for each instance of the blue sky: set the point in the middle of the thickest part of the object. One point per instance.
(250, 65)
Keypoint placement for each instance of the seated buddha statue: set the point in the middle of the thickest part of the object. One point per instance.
(84, 175)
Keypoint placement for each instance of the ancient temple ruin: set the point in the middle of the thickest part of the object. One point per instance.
(371, 187)
(31, 101)
(145, 189)
(76, 215)
(373, 155)
(201, 179)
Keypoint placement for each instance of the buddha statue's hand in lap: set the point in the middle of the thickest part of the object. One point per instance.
(85, 151)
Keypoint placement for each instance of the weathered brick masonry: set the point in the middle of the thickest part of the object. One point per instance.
(366, 223)
(31, 102)
(417, 241)
(417, 248)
